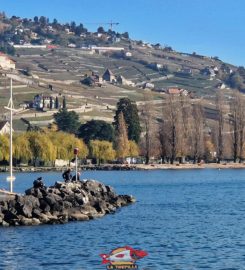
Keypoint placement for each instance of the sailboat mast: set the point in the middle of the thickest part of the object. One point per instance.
(10, 107)
(11, 137)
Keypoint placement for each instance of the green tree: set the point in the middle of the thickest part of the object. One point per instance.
(36, 20)
(55, 22)
(101, 30)
(67, 121)
(79, 30)
(96, 130)
(43, 20)
(64, 102)
(57, 103)
(73, 26)
(102, 151)
(130, 113)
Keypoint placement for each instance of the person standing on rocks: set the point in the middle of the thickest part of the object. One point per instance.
(67, 175)
(74, 177)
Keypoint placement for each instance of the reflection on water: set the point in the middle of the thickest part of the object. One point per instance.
(185, 220)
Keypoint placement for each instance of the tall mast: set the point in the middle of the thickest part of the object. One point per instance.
(10, 107)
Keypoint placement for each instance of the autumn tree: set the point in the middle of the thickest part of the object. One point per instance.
(41, 147)
(133, 149)
(122, 143)
(22, 150)
(102, 151)
(65, 143)
(4, 147)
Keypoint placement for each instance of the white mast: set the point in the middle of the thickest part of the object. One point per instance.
(10, 107)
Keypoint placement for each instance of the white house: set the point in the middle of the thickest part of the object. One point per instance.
(128, 54)
(5, 62)
(41, 102)
(4, 127)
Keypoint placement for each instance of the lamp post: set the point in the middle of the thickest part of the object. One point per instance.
(10, 107)
(76, 151)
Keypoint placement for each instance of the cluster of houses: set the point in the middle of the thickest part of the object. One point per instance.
(6, 63)
(108, 76)
(41, 102)
(212, 71)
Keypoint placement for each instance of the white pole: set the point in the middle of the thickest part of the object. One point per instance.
(10, 107)
(11, 136)
(76, 167)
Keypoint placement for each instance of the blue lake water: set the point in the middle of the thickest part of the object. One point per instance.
(184, 219)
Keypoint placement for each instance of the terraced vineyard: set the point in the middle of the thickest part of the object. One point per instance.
(63, 68)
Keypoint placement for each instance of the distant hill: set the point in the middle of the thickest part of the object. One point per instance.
(53, 59)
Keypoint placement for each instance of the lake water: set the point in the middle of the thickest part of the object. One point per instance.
(184, 219)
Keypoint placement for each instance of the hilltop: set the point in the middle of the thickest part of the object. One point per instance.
(56, 60)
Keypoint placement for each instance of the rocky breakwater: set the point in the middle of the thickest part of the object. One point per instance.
(63, 202)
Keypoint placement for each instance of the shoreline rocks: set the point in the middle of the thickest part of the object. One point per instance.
(60, 203)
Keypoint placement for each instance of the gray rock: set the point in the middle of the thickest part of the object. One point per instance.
(78, 216)
(80, 200)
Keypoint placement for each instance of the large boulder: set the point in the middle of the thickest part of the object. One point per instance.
(63, 202)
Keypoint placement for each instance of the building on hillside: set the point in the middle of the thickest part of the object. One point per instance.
(93, 80)
(155, 66)
(108, 76)
(100, 50)
(177, 91)
(221, 86)
(208, 71)
(4, 127)
(42, 102)
(127, 54)
(148, 85)
(186, 71)
(71, 45)
(6, 63)
(121, 80)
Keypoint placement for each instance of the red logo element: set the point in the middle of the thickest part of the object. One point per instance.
(123, 258)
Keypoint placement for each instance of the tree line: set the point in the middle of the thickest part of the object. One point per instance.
(95, 139)
(194, 130)
(177, 129)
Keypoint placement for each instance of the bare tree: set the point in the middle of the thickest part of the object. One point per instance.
(197, 132)
(162, 136)
(148, 126)
(184, 130)
(220, 126)
(172, 120)
(237, 124)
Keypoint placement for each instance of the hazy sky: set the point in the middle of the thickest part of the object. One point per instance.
(209, 27)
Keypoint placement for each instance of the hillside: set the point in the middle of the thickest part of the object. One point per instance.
(53, 60)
